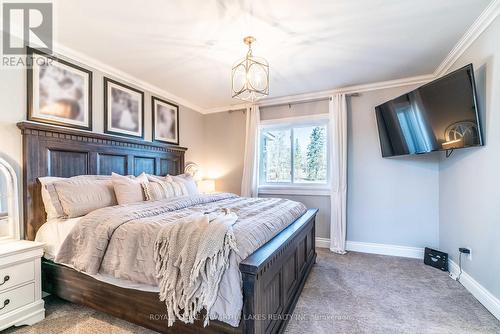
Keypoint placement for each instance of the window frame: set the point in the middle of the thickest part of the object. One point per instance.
(291, 188)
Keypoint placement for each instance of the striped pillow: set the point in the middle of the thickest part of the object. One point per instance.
(163, 187)
(188, 182)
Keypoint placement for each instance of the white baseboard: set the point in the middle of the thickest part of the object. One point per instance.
(477, 290)
(373, 248)
(383, 249)
(322, 242)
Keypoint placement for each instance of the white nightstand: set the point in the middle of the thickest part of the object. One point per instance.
(21, 300)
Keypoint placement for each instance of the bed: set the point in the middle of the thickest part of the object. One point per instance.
(272, 276)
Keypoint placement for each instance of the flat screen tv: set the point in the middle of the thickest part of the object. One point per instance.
(441, 115)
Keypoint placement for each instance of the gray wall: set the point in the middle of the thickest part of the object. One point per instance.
(224, 148)
(469, 183)
(390, 201)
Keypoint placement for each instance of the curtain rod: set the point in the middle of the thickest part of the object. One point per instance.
(294, 102)
(306, 101)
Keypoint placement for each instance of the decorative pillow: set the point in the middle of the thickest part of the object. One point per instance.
(129, 190)
(50, 198)
(51, 202)
(81, 196)
(163, 187)
(189, 182)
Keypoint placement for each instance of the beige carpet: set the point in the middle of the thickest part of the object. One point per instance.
(354, 293)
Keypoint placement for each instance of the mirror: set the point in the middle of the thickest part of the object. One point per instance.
(9, 206)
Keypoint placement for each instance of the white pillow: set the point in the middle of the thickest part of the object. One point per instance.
(164, 187)
(79, 197)
(51, 201)
(129, 190)
(188, 181)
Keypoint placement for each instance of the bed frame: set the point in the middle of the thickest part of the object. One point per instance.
(273, 276)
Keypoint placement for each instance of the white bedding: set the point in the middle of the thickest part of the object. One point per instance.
(53, 233)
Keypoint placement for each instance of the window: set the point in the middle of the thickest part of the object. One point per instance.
(294, 154)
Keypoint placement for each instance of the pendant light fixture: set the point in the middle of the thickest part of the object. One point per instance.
(250, 76)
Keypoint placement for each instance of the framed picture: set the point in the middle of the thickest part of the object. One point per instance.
(59, 92)
(165, 121)
(123, 109)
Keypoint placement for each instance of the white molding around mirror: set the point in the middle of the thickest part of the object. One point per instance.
(8, 175)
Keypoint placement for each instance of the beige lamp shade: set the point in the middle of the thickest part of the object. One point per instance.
(206, 186)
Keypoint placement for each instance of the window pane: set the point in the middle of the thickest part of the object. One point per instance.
(276, 160)
(310, 157)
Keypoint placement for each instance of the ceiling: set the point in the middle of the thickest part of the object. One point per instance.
(188, 47)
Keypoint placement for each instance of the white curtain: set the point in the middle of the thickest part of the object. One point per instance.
(249, 181)
(338, 172)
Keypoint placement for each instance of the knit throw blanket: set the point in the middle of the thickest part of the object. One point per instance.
(191, 256)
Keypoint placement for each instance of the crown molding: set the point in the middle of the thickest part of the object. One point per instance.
(307, 97)
(385, 84)
(475, 30)
(230, 107)
(346, 90)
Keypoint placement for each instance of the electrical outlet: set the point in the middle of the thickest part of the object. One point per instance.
(466, 252)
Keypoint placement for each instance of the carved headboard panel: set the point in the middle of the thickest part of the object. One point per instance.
(56, 151)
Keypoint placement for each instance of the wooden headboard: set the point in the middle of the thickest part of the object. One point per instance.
(56, 151)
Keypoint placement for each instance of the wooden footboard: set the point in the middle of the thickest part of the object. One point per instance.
(273, 276)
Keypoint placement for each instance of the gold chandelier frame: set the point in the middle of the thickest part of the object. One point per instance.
(248, 92)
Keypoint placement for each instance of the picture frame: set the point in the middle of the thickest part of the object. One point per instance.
(165, 116)
(59, 92)
(123, 109)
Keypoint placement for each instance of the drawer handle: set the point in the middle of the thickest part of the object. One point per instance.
(5, 279)
(5, 303)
